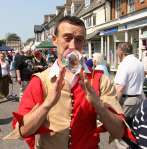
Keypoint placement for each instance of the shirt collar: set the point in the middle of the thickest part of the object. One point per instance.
(54, 69)
(128, 56)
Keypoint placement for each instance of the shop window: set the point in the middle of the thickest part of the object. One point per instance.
(131, 6)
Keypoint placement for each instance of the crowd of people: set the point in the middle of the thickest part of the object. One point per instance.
(20, 65)
(62, 103)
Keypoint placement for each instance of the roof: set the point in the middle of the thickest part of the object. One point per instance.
(38, 28)
(46, 44)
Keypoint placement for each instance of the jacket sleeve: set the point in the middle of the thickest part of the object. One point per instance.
(32, 96)
(108, 94)
(109, 98)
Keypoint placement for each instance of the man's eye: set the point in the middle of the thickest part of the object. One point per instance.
(79, 39)
(67, 38)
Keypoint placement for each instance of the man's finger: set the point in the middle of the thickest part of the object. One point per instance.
(62, 73)
(88, 86)
(60, 79)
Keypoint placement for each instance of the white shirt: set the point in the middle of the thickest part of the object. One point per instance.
(54, 71)
(144, 61)
(5, 69)
(130, 74)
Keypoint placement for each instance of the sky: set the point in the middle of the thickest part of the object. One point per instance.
(20, 16)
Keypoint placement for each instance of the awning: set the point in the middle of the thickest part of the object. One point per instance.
(92, 35)
(109, 31)
(5, 48)
(46, 44)
(33, 47)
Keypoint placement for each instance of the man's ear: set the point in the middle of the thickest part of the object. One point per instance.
(54, 40)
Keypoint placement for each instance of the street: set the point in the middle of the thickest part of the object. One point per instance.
(6, 109)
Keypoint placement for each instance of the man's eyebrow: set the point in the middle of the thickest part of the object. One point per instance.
(67, 34)
(79, 36)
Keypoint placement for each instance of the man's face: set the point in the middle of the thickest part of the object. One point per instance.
(69, 37)
(2, 56)
(120, 54)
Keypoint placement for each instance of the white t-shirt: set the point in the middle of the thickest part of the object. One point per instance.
(130, 74)
(5, 69)
(144, 61)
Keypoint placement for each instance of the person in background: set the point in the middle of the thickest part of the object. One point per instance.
(12, 65)
(89, 64)
(99, 63)
(61, 104)
(4, 76)
(144, 60)
(39, 62)
(129, 83)
(24, 68)
(140, 126)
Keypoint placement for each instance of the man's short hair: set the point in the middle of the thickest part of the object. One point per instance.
(126, 47)
(71, 20)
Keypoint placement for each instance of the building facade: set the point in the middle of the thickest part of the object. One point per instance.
(128, 23)
(108, 22)
(14, 42)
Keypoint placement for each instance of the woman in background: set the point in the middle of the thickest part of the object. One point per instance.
(4, 76)
(99, 63)
(40, 63)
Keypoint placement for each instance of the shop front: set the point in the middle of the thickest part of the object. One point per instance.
(134, 32)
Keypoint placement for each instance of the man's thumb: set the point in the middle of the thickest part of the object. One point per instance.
(87, 84)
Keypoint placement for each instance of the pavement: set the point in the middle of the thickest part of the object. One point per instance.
(7, 106)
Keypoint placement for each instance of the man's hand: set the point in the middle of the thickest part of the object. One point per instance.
(109, 119)
(56, 91)
(119, 91)
(35, 118)
(19, 80)
(92, 97)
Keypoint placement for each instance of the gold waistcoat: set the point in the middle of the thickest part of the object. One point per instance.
(58, 118)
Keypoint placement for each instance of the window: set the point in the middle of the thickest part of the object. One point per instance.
(67, 12)
(141, 1)
(38, 36)
(87, 21)
(117, 10)
(131, 6)
(77, 7)
(87, 3)
(72, 9)
(94, 19)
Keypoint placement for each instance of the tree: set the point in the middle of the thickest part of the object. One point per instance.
(2, 42)
(29, 40)
(13, 36)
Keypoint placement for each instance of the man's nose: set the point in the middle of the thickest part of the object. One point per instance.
(72, 44)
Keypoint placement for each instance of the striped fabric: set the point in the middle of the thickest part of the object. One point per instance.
(140, 125)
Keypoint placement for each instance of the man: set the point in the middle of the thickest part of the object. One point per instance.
(140, 125)
(144, 61)
(62, 106)
(24, 69)
(129, 81)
